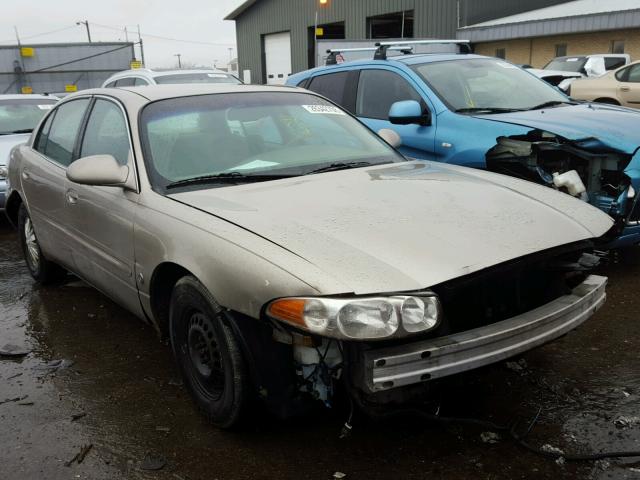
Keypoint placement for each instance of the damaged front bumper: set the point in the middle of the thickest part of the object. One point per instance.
(408, 364)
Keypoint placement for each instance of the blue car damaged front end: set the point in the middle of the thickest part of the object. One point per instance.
(598, 142)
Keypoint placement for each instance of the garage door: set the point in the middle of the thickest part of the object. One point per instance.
(277, 52)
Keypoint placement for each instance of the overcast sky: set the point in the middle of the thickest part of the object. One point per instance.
(193, 20)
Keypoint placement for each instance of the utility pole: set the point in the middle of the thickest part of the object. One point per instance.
(230, 54)
(86, 24)
(179, 62)
(126, 34)
(141, 47)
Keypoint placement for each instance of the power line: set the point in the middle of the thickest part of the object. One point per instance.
(166, 38)
(40, 34)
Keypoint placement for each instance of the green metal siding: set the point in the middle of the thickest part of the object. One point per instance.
(432, 19)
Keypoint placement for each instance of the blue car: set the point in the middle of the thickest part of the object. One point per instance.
(483, 112)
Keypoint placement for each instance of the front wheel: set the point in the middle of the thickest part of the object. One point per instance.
(208, 354)
(41, 269)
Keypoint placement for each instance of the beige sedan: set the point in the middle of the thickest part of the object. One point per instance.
(619, 87)
(287, 251)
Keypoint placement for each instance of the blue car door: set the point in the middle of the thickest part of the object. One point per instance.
(380, 88)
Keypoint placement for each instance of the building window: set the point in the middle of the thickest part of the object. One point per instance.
(617, 46)
(391, 25)
(501, 53)
(561, 50)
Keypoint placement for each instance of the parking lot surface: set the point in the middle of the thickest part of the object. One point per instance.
(99, 386)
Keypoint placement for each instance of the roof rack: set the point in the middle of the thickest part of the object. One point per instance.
(381, 51)
(332, 59)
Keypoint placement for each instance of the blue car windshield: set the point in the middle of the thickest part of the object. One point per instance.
(486, 83)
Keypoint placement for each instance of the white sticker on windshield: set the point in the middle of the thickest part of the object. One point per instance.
(216, 75)
(45, 107)
(326, 109)
(572, 59)
(256, 164)
(506, 65)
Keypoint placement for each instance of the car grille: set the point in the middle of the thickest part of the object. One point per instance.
(509, 289)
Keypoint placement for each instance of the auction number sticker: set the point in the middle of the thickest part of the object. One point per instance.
(45, 107)
(326, 109)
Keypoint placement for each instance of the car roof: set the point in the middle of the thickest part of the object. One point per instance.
(411, 59)
(160, 92)
(27, 96)
(147, 72)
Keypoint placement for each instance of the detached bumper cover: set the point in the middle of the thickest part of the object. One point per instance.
(401, 365)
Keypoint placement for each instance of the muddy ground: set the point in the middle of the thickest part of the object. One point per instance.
(117, 390)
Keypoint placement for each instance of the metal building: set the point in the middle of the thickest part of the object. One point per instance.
(278, 37)
(63, 67)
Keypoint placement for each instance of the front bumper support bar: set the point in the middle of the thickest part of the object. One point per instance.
(407, 364)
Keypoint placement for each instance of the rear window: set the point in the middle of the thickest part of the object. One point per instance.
(213, 77)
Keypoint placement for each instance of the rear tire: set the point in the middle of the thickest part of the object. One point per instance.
(608, 101)
(208, 354)
(630, 255)
(42, 270)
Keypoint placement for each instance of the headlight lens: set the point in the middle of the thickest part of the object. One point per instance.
(4, 172)
(361, 318)
(368, 319)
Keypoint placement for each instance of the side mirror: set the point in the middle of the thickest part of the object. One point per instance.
(408, 112)
(103, 170)
(390, 136)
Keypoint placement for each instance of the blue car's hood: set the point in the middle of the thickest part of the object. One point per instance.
(612, 127)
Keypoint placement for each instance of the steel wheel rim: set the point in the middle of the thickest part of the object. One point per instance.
(31, 243)
(204, 354)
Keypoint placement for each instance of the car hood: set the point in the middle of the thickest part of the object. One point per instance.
(7, 142)
(403, 226)
(612, 127)
(554, 73)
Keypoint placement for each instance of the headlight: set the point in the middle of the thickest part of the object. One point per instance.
(4, 172)
(361, 318)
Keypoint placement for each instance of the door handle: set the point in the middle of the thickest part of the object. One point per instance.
(625, 89)
(72, 197)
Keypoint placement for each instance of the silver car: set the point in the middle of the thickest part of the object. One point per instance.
(19, 115)
(287, 251)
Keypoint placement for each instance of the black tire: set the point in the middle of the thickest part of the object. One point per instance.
(630, 256)
(608, 101)
(42, 270)
(208, 354)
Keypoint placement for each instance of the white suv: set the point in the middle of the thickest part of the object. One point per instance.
(146, 76)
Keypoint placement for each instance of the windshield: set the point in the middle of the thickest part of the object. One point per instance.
(22, 115)
(567, 64)
(485, 83)
(258, 134)
(203, 77)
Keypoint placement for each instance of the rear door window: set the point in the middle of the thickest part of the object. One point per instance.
(64, 131)
(126, 82)
(140, 82)
(332, 86)
(611, 63)
(378, 90)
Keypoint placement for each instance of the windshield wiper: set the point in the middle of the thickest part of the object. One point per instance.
(15, 132)
(224, 177)
(551, 104)
(339, 166)
(487, 110)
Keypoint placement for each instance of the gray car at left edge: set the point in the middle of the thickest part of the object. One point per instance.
(289, 253)
(19, 115)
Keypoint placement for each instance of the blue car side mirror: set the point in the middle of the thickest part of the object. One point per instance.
(408, 112)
